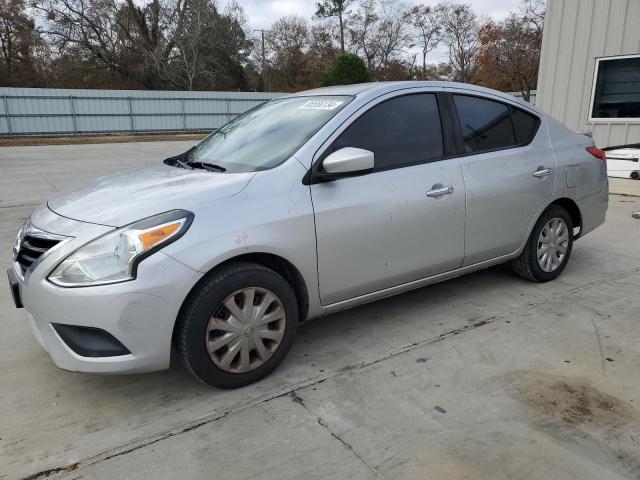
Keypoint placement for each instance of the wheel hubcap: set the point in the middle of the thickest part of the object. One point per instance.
(552, 244)
(246, 330)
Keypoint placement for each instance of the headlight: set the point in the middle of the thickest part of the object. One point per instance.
(18, 241)
(114, 257)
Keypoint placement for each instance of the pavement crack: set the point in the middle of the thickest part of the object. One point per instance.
(348, 446)
(55, 189)
(599, 342)
(52, 471)
(297, 399)
(20, 205)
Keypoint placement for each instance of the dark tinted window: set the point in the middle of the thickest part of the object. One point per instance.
(486, 125)
(617, 92)
(524, 124)
(400, 131)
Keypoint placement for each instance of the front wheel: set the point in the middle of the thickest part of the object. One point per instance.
(237, 326)
(548, 248)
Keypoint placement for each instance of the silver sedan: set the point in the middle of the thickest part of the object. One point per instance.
(303, 206)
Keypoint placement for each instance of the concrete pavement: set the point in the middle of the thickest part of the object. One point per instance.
(486, 376)
(624, 186)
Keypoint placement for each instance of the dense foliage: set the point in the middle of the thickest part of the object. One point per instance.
(345, 69)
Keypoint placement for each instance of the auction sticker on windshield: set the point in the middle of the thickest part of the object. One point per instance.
(320, 105)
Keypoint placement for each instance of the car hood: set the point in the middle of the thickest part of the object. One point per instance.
(125, 197)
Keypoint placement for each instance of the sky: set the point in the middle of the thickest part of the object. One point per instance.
(262, 13)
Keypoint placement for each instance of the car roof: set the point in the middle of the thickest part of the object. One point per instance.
(385, 87)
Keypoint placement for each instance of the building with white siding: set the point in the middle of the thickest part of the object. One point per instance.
(590, 68)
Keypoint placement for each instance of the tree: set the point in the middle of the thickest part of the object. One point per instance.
(187, 59)
(425, 19)
(320, 53)
(286, 44)
(133, 39)
(510, 54)
(19, 38)
(392, 36)
(378, 31)
(346, 68)
(152, 43)
(533, 12)
(362, 26)
(441, 71)
(460, 32)
(334, 9)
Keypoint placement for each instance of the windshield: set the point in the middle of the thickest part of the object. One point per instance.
(268, 134)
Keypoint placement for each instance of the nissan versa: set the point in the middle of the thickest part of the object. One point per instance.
(303, 206)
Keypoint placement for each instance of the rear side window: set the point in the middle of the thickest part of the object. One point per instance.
(401, 131)
(524, 125)
(486, 125)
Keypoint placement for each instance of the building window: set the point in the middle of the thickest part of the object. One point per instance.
(616, 89)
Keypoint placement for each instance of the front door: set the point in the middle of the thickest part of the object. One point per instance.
(401, 222)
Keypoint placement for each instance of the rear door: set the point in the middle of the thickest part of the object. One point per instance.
(382, 229)
(509, 171)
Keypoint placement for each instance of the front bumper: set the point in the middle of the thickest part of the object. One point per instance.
(140, 313)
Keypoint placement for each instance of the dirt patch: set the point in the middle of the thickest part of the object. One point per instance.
(86, 139)
(595, 424)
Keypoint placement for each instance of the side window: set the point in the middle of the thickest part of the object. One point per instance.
(524, 124)
(401, 131)
(486, 125)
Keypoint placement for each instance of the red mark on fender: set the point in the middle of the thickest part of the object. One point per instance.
(241, 241)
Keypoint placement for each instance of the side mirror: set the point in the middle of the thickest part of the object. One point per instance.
(347, 161)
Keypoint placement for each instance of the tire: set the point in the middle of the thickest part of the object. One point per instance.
(206, 322)
(527, 266)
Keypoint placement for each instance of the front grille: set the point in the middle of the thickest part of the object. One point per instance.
(32, 248)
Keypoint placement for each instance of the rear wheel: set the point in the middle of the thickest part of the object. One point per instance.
(238, 325)
(548, 248)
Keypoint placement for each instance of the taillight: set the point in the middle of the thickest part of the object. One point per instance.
(598, 153)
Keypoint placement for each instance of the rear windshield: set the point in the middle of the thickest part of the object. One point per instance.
(268, 134)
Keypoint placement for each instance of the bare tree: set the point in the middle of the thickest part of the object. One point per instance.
(362, 27)
(334, 9)
(460, 32)
(135, 40)
(20, 45)
(321, 52)
(378, 31)
(287, 42)
(441, 71)
(187, 58)
(425, 19)
(533, 12)
(154, 43)
(393, 36)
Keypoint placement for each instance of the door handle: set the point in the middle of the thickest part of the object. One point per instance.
(440, 190)
(542, 172)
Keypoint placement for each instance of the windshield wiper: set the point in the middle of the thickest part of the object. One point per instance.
(182, 160)
(181, 163)
(179, 160)
(212, 167)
